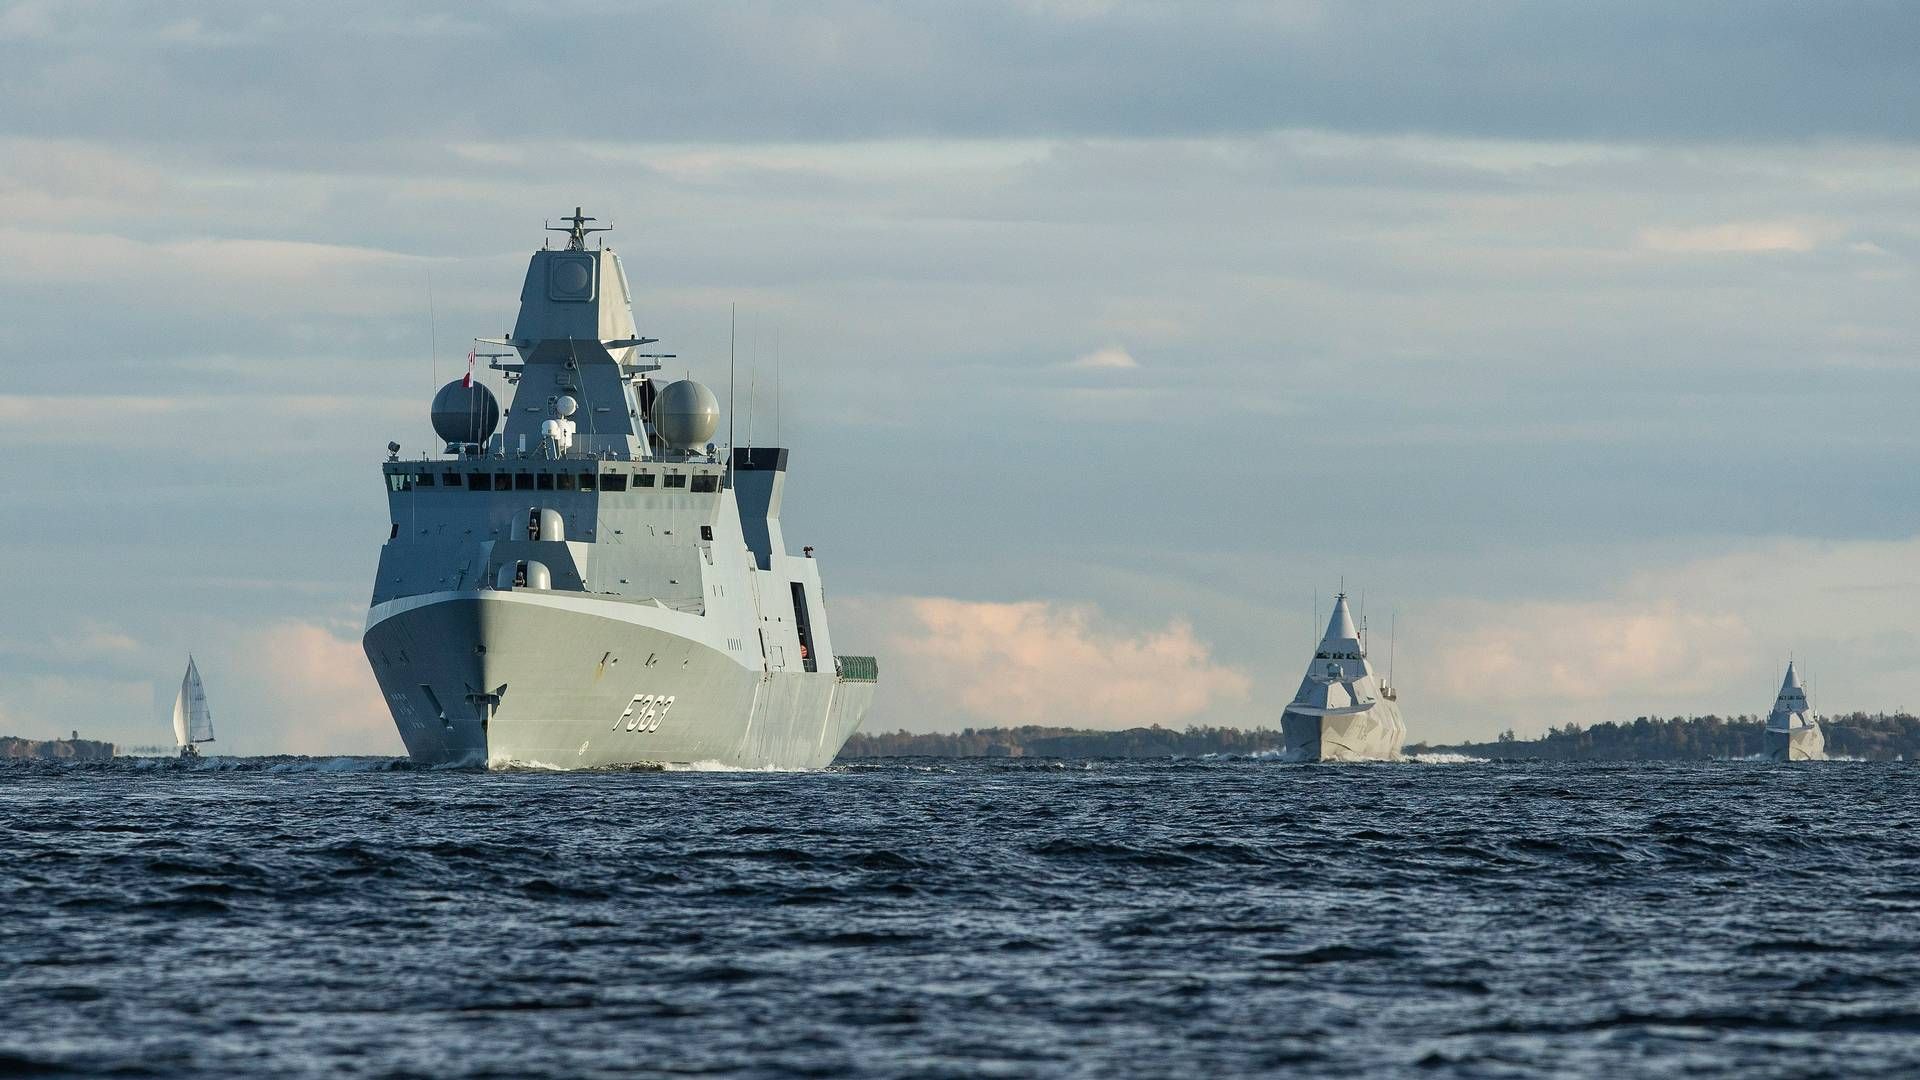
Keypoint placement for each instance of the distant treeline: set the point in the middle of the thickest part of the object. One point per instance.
(1876, 737)
(1037, 741)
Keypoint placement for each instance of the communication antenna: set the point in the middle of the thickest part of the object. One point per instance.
(433, 334)
(753, 385)
(776, 386)
(1393, 633)
(733, 316)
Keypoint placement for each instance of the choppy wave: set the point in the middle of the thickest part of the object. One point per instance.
(722, 767)
(1213, 917)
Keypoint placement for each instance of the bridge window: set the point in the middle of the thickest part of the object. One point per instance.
(425, 479)
(706, 482)
(613, 481)
(563, 481)
(544, 481)
(480, 482)
(399, 481)
(675, 480)
(523, 481)
(643, 479)
(502, 481)
(586, 481)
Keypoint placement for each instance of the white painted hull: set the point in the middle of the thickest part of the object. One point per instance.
(1375, 734)
(1800, 744)
(564, 674)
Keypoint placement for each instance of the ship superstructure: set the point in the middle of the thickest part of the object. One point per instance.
(596, 583)
(1342, 712)
(1793, 729)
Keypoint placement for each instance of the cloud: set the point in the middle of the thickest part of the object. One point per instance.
(1732, 238)
(44, 704)
(856, 69)
(211, 272)
(94, 639)
(1111, 358)
(1446, 294)
(1701, 635)
(1580, 653)
(26, 21)
(324, 699)
(1032, 662)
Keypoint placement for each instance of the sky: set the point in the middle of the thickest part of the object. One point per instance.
(1579, 341)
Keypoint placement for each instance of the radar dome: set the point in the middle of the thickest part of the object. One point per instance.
(565, 406)
(686, 414)
(465, 414)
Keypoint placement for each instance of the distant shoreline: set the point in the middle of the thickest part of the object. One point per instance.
(74, 749)
(1872, 737)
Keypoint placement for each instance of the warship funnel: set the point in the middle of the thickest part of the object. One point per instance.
(597, 583)
(1793, 730)
(1342, 712)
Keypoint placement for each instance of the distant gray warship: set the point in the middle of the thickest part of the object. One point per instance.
(597, 585)
(1342, 712)
(1793, 730)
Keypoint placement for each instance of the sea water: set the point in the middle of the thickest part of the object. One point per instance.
(356, 917)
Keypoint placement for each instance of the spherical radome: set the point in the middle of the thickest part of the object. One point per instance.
(464, 414)
(686, 414)
(565, 406)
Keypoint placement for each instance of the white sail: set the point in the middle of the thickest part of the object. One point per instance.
(192, 720)
(180, 710)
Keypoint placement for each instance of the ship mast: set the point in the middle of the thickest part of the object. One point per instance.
(577, 229)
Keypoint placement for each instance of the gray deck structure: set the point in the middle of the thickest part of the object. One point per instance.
(1793, 729)
(1342, 712)
(597, 584)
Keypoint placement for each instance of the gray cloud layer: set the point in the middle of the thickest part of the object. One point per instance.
(1574, 308)
(241, 73)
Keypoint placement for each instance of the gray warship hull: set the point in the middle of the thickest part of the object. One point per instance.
(1378, 734)
(521, 678)
(1801, 744)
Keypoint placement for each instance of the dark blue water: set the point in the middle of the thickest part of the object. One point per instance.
(987, 918)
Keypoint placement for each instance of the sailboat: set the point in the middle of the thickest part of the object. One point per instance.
(192, 720)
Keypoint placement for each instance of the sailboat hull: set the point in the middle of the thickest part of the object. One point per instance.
(488, 678)
(1375, 734)
(1799, 744)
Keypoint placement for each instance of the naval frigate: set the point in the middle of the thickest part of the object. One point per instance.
(595, 584)
(1793, 730)
(1342, 712)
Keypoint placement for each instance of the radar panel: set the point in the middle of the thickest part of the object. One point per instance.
(570, 277)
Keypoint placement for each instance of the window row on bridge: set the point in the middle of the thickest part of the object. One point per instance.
(551, 481)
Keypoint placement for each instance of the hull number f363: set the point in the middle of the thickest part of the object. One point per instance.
(644, 712)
